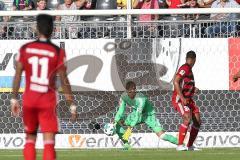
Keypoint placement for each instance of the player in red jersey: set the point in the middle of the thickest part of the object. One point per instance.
(184, 90)
(42, 61)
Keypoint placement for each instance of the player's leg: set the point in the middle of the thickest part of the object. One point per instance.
(183, 128)
(30, 126)
(49, 152)
(49, 126)
(153, 123)
(29, 151)
(195, 126)
(167, 137)
(186, 117)
(194, 131)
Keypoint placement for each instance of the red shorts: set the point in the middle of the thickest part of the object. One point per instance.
(45, 118)
(191, 107)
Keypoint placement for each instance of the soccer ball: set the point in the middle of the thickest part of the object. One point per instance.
(109, 129)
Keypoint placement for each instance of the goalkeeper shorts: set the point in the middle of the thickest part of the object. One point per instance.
(150, 120)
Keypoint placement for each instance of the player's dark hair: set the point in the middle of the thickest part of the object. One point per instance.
(45, 24)
(191, 54)
(130, 84)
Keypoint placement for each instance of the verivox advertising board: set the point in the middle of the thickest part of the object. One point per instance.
(138, 140)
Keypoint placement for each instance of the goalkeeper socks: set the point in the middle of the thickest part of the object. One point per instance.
(29, 151)
(193, 135)
(182, 133)
(49, 151)
(169, 138)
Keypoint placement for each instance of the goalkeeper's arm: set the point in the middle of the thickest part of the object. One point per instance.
(120, 112)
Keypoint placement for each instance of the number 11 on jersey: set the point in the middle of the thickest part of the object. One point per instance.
(42, 79)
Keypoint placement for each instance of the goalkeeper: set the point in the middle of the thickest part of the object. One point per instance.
(142, 112)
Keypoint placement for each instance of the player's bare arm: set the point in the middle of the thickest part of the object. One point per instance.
(236, 76)
(15, 107)
(176, 82)
(67, 92)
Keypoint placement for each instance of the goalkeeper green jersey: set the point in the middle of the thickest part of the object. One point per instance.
(141, 106)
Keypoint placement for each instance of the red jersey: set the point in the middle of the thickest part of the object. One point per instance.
(187, 84)
(40, 60)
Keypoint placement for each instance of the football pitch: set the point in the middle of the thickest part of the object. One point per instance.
(134, 154)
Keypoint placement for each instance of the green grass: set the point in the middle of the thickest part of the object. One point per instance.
(134, 154)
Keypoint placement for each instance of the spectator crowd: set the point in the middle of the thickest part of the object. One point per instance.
(210, 30)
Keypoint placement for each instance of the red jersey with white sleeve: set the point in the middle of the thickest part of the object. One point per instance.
(40, 60)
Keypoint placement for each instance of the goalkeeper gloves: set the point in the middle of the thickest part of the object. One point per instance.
(127, 134)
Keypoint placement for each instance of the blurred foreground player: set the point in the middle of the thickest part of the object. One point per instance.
(184, 90)
(42, 61)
